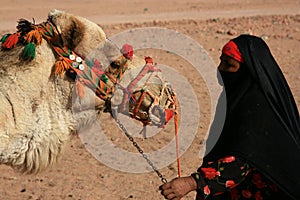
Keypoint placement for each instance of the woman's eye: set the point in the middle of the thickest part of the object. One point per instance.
(226, 63)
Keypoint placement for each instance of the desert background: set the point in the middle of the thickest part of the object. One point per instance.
(80, 176)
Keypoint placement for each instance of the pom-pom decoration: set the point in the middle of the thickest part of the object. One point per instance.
(11, 41)
(28, 52)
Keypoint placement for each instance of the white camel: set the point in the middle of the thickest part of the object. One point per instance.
(36, 118)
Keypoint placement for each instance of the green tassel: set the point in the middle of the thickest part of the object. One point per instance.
(104, 78)
(28, 52)
(3, 39)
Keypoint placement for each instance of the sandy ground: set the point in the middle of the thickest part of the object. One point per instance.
(79, 175)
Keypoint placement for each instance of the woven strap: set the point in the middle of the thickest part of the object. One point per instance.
(87, 75)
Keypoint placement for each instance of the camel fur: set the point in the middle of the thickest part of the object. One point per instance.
(39, 110)
(36, 118)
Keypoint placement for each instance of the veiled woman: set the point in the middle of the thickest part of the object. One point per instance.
(257, 155)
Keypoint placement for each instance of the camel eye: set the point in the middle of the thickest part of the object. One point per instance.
(50, 18)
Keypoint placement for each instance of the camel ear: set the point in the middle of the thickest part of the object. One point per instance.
(72, 33)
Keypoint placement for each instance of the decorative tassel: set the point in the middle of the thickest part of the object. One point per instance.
(11, 41)
(28, 52)
(34, 36)
(4, 37)
(61, 66)
(104, 78)
(98, 71)
(79, 89)
(127, 51)
(148, 59)
(24, 26)
(96, 68)
(169, 114)
(97, 63)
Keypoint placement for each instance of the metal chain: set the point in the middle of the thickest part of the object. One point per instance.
(140, 150)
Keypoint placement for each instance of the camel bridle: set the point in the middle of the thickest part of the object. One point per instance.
(89, 73)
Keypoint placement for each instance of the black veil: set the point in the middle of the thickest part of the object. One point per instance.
(262, 123)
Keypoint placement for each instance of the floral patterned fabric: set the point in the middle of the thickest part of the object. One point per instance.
(230, 178)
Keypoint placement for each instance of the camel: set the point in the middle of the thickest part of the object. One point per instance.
(37, 107)
(36, 118)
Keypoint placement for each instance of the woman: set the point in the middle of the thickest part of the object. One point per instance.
(257, 155)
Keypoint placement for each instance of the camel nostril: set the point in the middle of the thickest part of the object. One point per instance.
(34, 105)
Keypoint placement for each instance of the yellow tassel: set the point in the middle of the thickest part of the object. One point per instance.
(79, 89)
(34, 36)
(61, 66)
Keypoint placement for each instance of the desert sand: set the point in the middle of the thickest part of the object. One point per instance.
(78, 175)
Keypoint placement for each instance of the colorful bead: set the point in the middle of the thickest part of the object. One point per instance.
(78, 59)
(81, 67)
(75, 64)
(72, 57)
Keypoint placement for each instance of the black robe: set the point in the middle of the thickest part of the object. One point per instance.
(262, 123)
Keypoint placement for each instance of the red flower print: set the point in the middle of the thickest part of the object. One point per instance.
(260, 184)
(230, 184)
(234, 193)
(206, 190)
(256, 179)
(218, 193)
(274, 187)
(258, 196)
(227, 159)
(210, 173)
(247, 194)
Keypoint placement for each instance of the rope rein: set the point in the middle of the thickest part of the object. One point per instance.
(140, 150)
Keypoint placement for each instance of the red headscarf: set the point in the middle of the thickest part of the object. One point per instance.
(231, 49)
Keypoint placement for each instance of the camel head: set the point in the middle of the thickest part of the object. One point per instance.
(36, 118)
(77, 33)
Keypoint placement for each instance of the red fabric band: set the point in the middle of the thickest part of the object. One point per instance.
(231, 49)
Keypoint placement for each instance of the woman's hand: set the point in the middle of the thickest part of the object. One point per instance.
(178, 187)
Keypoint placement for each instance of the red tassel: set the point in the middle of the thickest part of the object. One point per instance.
(11, 41)
(148, 59)
(97, 68)
(169, 115)
(97, 63)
